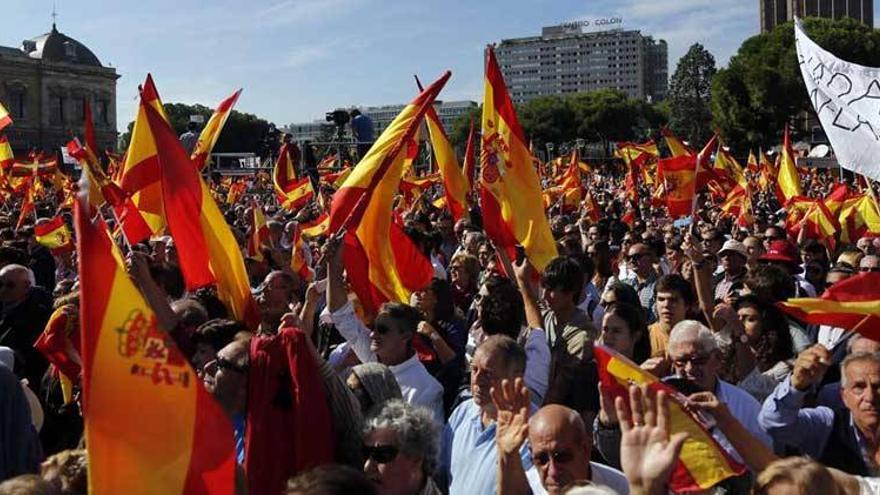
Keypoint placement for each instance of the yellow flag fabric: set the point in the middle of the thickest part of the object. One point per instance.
(789, 183)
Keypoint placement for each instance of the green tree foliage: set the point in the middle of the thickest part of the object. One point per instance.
(243, 132)
(690, 89)
(762, 89)
(461, 127)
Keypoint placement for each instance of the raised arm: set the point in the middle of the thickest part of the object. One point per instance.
(512, 429)
(525, 277)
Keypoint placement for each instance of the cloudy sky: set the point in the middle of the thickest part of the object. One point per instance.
(297, 59)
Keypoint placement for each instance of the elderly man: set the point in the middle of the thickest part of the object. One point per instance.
(24, 311)
(226, 378)
(559, 446)
(869, 263)
(276, 294)
(847, 439)
(734, 256)
(469, 453)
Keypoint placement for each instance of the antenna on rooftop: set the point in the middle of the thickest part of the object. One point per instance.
(54, 16)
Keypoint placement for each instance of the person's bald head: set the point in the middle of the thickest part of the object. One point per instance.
(15, 283)
(560, 447)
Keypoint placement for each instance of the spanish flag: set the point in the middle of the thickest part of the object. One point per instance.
(789, 182)
(292, 194)
(5, 118)
(28, 206)
(382, 262)
(336, 179)
(140, 178)
(676, 147)
(54, 235)
(209, 135)
(510, 190)
(679, 179)
(813, 217)
(297, 259)
(206, 248)
(752, 163)
(729, 169)
(150, 425)
(768, 172)
(853, 304)
(571, 186)
(7, 157)
(317, 227)
(60, 345)
(702, 463)
(455, 184)
(858, 216)
(259, 233)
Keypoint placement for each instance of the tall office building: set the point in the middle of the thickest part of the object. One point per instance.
(775, 12)
(564, 59)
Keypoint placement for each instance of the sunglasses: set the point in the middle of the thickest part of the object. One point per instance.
(871, 269)
(227, 365)
(558, 456)
(7, 285)
(383, 454)
(636, 256)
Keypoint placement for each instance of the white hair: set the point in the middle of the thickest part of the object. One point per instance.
(693, 331)
(590, 489)
(857, 357)
(13, 267)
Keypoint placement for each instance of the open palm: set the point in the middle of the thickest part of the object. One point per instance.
(512, 424)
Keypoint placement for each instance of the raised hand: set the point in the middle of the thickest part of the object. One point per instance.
(647, 453)
(810, 367)
(512, 425)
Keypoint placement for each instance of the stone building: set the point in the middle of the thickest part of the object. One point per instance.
(44, 84)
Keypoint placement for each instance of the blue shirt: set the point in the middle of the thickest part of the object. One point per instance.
(469, 455)
(788, 423)
(362, 127)
(238, 430)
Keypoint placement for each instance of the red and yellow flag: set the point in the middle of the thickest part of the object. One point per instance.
(455, 184)
(676, 147)
(292, 193)
(570, 185)
(150, 425)
(679, 178)
(752, 163)
(140, 176)
(259, 233)
(768, 173)
(858, 216)
(702, 463)
(789, 182)
(853, 304)
(317, 227)
(297, 258)
(28, 205)
(60, 345)
(7, 157)
(54, 235)
(730, 169)
(510, 190)
(209, 135)
(382, 262)
(336, 179)
(5, 118)
(206, 248)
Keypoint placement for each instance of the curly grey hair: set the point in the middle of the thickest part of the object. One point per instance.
(417, 434)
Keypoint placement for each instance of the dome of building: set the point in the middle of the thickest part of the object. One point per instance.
(58, 47)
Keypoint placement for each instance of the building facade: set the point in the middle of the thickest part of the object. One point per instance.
(775, 12)
(45, 83)
(564, 59)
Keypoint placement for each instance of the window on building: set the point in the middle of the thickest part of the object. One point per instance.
(79, 108)
(16, 101)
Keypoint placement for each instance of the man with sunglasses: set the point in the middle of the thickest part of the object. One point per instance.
(869, 263)
(388, 342)
(559, 446)
(640, 259)
(226, 378)
(24, 311)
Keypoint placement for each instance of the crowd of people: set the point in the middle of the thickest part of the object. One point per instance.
(485, 381)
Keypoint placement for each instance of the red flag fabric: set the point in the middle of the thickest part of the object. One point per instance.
(679, 177)
(853, 304)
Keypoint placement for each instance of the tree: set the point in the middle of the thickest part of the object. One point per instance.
(689, 95)
(242, 133)
(761, 90)
(548, 119)
(607, 115)
(461, 127)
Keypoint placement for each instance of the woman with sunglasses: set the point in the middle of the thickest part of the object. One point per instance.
(401, 446)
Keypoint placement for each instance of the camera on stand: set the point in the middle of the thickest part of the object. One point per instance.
(339, 117)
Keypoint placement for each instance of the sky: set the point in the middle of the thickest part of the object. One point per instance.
(297, 59)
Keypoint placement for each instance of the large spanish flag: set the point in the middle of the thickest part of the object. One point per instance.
(788, 182)
(702, 462)
(853, 304)
(211, 132)
(455, 184)
(206, 248)
(679, 181)
(140, 177)
(510, 190)
(149, 423)
(382, 262)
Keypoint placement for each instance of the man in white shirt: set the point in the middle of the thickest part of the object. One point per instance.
(388, 342)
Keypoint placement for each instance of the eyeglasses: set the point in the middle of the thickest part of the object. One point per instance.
(698, 360)
(381, 328)
(558, 456)
(7, 285)
(871, 269)
(224, 364)
(383, 454)
(636, 256)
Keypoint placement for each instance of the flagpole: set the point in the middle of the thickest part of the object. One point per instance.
(849, 333)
